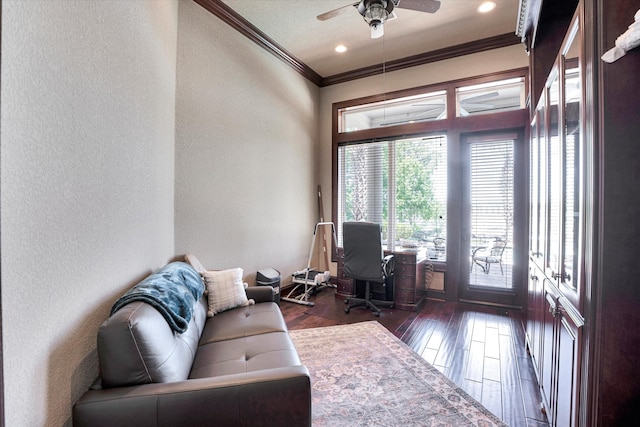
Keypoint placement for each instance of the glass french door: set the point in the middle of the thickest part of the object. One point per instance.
(493, 228)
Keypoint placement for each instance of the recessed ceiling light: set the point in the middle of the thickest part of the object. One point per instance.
(486, 6)
(341, 48)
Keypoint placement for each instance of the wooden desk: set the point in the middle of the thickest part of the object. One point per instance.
(409, 286)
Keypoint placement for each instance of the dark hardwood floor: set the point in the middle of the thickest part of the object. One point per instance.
(481, 349)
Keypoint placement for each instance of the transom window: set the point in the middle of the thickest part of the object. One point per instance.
(409, 109)
(493, 97)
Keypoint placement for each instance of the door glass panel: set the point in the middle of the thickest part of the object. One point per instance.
(555, 179)
(540, 256)
(534, 177)
(491, 213)
(571, 158)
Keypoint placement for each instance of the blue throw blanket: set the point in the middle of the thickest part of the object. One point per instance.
(173, 291)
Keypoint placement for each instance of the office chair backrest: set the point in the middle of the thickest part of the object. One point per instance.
(362, 243)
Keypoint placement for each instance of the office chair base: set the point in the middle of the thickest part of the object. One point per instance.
(367, 303)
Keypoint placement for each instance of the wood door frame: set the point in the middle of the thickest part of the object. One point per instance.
(1, 339)
(512, 298)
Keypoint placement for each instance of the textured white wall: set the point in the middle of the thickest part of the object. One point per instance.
(87, 175)
(246, 135)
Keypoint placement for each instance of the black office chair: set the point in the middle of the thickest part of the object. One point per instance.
(363, 260)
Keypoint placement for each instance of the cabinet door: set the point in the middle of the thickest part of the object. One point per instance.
(566, 383)
(534, 191)
(541, 112)
(535, 317)
(554, 172)
(548, 367)
(573, 196)
(562, 327)
(533, 327)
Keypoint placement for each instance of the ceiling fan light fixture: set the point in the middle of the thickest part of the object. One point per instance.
(377, 30)
(375, 14)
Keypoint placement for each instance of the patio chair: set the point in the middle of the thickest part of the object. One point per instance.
(485, 258)
(438, 243)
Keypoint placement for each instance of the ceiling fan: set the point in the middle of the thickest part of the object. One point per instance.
(376, 12)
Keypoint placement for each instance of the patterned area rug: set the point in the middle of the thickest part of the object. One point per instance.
(362, 375)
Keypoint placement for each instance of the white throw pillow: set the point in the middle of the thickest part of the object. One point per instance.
(225, 290)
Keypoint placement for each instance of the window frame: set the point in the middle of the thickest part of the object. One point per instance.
(454, 128)
(429, 145)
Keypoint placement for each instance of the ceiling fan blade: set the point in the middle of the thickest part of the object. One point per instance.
(483, 97)
(429, 6)
(431, 110)
(437, 104)
(476, 105)
(335, 12)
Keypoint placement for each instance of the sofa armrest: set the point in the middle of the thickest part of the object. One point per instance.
(261, 293)
(280, 396)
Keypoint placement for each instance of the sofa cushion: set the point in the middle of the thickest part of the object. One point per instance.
(255, 319)
(225, 290)
(137, 346)
(246, 354)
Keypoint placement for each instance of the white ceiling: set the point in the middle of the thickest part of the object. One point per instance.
(293, 25)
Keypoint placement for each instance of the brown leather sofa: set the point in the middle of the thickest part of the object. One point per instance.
(238, 368)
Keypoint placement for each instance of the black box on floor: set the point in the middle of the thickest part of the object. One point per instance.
(269, 277)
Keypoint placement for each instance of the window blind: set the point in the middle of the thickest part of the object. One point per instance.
(492, 191)
(401, 184)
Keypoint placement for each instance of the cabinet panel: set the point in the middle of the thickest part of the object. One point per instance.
(567, 355)
(547, 353)
(535, 312)
(561, 329)
(572, 161)
(534, 191)
(541, 118)
(554, 175)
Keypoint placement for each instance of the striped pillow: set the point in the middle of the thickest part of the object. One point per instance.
(226, 290)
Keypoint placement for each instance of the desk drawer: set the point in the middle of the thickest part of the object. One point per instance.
(404, 296)
(401, 258)
(400, 282)
(404, 270)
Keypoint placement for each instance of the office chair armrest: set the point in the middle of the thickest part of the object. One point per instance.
(387, 266)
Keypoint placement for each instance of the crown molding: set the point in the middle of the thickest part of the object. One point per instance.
(228, 15)
(495, 42)
(244, 27)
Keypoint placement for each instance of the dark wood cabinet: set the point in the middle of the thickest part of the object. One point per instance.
(555, 319)
(582, 307)
(557, 360)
